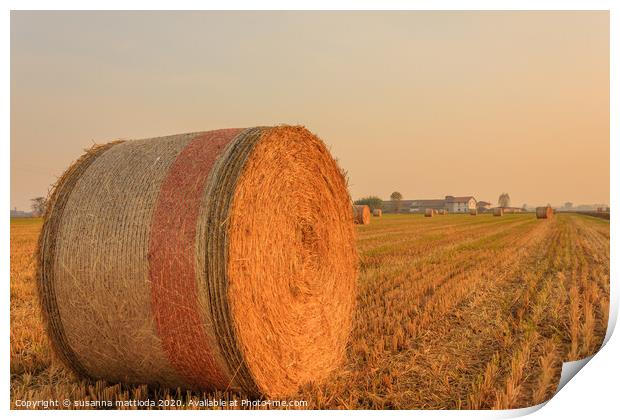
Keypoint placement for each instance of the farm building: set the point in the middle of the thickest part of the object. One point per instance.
(397, 206)
(19, 213)
(450, 204)
(510, 210)
(420, 206)
(483, 206)
(460, 204)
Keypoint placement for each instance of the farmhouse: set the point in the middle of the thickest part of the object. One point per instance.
(450, 203)
(460, 204)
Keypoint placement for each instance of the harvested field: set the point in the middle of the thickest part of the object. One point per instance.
(602, 215)
(452, 312)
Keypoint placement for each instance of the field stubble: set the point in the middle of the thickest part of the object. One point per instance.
(452, 312)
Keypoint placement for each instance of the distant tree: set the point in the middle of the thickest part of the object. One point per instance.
(371, 201)
(504, 200)
(568, 205)
(396, 197)
(38, 206)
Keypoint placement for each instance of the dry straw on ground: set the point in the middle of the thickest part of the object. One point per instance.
(456, 313)
(429, 213)
(216, 260)
(361, 214)
(498, 211)
(544, 212)
(377, 212)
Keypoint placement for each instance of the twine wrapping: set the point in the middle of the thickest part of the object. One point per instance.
(215, 260)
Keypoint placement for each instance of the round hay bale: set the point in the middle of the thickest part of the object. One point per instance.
(429, 213)
(441, 212)
(544, 212)
(361, 214)
(498, 211)
(377, 212)
(473, 212)
(216, 260)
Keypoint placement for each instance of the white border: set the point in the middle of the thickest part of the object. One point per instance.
(593, 394)
(311, 5)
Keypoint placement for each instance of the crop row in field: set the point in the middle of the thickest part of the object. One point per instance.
(452, 312)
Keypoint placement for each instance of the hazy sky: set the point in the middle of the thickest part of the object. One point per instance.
(426, 103)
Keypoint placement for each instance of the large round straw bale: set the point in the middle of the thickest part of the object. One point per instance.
(473, 212)
(361, 214)
(498, 211)
(544, 212)
(377, 212)
(429, 213)
(215, 260)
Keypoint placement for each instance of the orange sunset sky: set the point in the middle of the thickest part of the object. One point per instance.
(426, 103)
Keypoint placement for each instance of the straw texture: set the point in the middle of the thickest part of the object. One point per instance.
(200, 261)
(46, 253)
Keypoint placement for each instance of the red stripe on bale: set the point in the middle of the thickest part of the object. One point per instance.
(172, 262)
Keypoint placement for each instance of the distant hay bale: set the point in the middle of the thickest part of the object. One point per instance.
(441, 212)
(361, 214)
(377, 212)
(222, 260)
(429, 213)
(544, 212)
(498, 211)
(473, 212)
